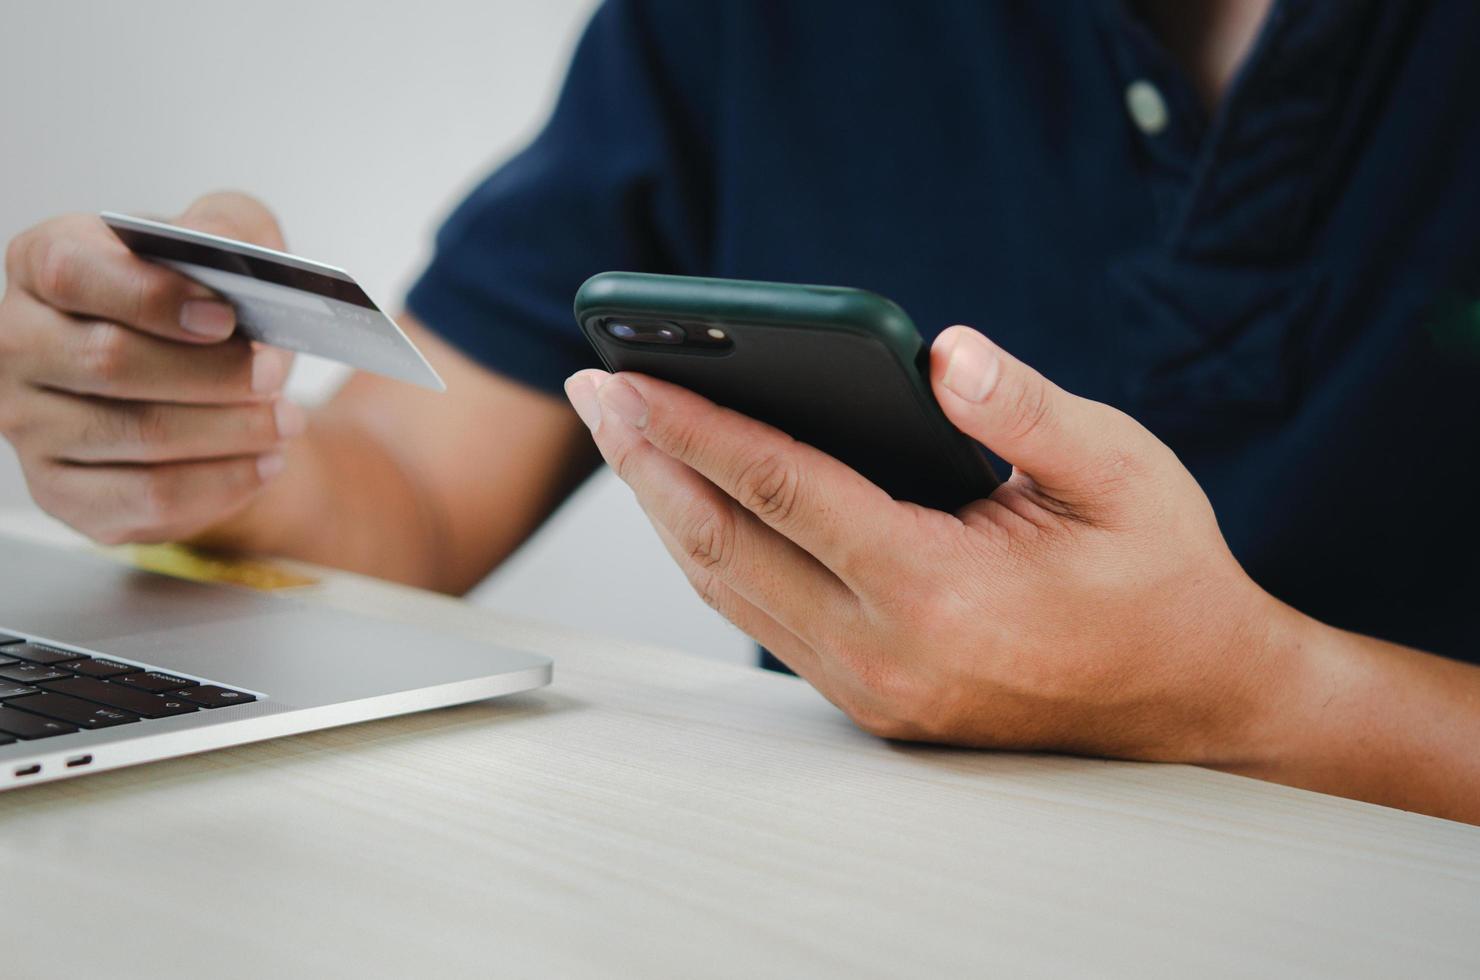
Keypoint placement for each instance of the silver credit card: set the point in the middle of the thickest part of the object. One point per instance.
(283, 300)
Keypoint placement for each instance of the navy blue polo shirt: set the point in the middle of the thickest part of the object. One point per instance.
(1286, 290)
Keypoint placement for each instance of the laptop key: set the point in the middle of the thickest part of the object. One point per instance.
(32, 673)
(38, 654)
(98, 667)
(6, 661)
(170, 705)
(83, 714)
(10, 689)
(156, 682)
(211, 696)
(22, 725)
(123, 698)
(10, 638)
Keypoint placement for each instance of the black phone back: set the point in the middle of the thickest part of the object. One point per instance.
(842, 370)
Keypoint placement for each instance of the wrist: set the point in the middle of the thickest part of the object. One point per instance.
(273, 519)
(1341, 713)
(1294, 672)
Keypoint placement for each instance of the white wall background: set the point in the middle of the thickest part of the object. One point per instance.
(360, 125)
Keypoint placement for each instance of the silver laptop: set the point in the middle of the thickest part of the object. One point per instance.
(102, 666)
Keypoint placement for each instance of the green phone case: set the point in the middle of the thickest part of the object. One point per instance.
(841, 369)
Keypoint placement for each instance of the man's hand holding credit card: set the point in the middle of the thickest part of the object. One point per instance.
(142, 373)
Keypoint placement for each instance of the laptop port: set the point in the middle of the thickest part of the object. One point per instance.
(30, 770)
(79, 760)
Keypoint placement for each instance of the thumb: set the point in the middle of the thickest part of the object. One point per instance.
(1062, 441)
(232, 214)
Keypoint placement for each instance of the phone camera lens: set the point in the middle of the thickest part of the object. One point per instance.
(645, 332)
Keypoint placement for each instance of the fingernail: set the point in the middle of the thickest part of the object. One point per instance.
(972, 367)
(270, 466)
(207, 318)
(623, 399)
(291, 419)
(582, 395)
(269, 369)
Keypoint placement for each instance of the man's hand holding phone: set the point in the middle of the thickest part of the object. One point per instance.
(1089, 604)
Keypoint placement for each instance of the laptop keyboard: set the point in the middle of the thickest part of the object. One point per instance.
(46, 691)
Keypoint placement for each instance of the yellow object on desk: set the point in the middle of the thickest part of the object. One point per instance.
(200, 566)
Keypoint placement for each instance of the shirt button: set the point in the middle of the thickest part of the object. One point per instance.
(1146, 106)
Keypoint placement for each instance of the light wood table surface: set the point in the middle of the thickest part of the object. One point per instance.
(656, 814)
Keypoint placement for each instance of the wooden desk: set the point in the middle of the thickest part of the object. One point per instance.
(656, 814)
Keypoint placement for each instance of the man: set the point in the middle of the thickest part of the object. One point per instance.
(1249, 228)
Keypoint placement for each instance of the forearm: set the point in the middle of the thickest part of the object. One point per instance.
(342, 501)
(425, 488)
(1363, 718)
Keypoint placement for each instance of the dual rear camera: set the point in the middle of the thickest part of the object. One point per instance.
(663, 333)
(700, 336)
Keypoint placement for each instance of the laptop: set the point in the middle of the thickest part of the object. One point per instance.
(103, 665)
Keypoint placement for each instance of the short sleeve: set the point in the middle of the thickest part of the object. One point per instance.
(612, 182)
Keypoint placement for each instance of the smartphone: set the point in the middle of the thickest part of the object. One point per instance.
(840, 369)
